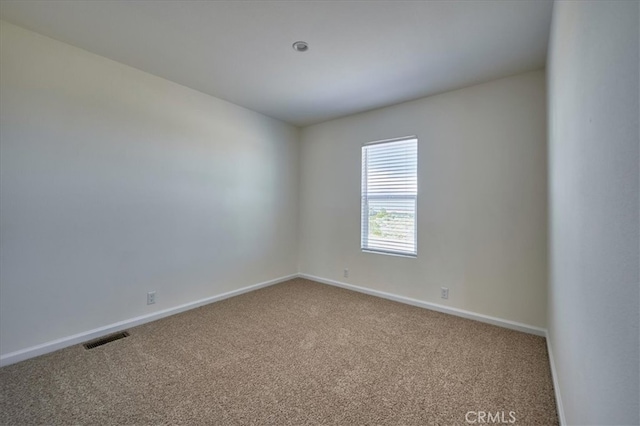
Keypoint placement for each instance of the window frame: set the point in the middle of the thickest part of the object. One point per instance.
(365, 197)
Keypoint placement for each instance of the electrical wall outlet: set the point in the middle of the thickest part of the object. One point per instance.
(444, 292)
(151, 298)
(346, 273)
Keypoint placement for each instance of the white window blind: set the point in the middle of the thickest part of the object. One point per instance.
(389, 196)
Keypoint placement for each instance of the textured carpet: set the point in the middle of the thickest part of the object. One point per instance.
(295, 353)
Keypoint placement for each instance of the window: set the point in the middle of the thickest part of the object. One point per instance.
(389, 196)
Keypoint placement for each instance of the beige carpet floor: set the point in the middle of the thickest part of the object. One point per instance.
(294, 353)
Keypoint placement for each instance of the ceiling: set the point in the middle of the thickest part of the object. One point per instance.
(362, 54)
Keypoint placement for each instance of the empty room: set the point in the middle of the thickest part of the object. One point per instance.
(319, 212)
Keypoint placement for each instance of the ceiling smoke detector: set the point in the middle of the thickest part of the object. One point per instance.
(300, 46)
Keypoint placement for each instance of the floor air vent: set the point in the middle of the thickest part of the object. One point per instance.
(104, 340)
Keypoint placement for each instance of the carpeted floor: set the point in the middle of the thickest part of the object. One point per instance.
(295, 353)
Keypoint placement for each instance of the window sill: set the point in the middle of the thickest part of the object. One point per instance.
(388, 253)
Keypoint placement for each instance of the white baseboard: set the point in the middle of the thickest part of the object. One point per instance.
(64, 342)
(433, 306)
(556, 384)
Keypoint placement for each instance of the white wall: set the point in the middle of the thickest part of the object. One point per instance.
(594, 222)
(482, 207)
(115, 182)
